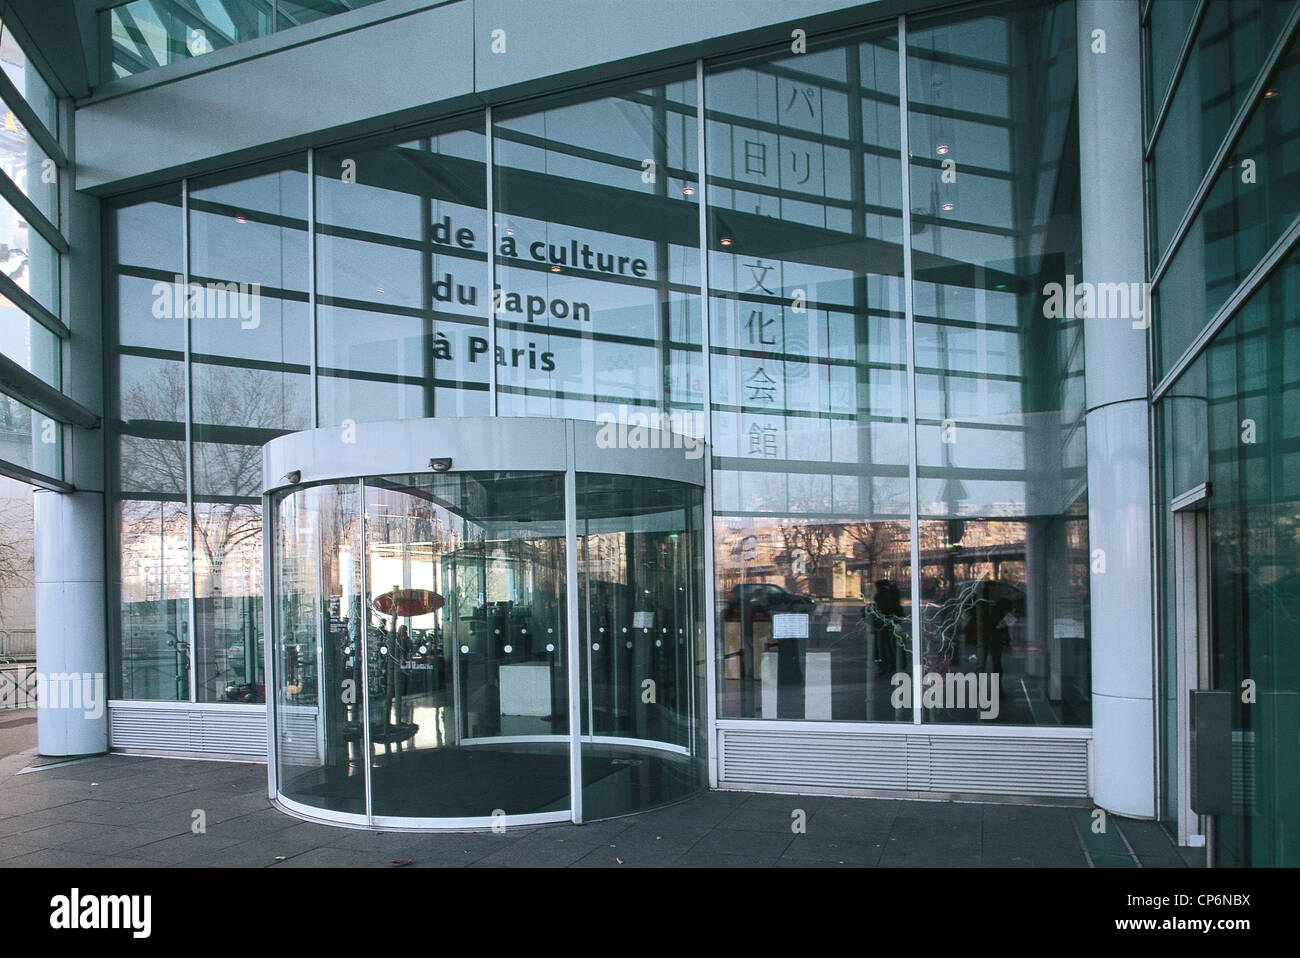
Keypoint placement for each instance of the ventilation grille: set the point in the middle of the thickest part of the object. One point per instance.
(299, 737)
(1007, 765)
(1243, 773)
(236, 731)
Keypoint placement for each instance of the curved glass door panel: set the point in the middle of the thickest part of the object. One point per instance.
(641, 628)
(465, 657)
(316, 621)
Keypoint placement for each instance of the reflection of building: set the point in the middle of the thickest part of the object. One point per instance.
(844, 266)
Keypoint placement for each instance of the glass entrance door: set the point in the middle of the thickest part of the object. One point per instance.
(465, 653)
(641, 635)
(483, 647)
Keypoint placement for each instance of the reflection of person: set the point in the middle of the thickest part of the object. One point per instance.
(885, 614)
(988, 624)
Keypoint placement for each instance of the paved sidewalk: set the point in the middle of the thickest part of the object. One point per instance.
(129, 811)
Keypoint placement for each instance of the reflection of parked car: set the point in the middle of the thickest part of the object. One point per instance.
(766, 596)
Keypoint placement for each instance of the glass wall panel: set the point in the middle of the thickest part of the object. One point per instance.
(291, 13)
(1253, 379)
(1166, 32)
(809, 365)
(146, 34)
(1000, 448)
(29, 82)
(28, 259)
(597, 256)
(1232, 420)
(1233, 39)
(30, 439)
(30, 167)
(150, 647)
(30, 344)
(250, 381)
(1254, 198)
(402, 302)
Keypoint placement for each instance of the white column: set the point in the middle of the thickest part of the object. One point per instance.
(71, 634)
(1119, 449)
(71, 638)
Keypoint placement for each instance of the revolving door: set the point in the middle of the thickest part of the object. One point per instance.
(483, 646)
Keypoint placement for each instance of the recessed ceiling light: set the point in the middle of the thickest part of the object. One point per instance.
(555, 269)
(947, 207)
(942, 149)
(688, 190)
(725, 241)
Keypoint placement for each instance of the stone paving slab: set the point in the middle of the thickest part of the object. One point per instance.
(130, 811)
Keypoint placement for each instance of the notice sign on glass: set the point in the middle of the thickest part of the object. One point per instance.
(643, 620)
(790, 625)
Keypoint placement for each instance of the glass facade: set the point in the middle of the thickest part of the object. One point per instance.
(1226, 412)
(877, 447)
(141, 35)
(32, 328)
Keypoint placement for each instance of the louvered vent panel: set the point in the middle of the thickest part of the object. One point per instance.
(1007, 765)
(228, 731)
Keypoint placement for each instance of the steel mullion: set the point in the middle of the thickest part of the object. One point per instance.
(491, 264)
(706, 345)
(572, 643)
(312, 333)
(363, 651)
(913, 496)
(189, 435)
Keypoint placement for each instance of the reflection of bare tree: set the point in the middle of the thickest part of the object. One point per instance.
(876, 543)
(16, 545)
(224, 472)
(817, 541)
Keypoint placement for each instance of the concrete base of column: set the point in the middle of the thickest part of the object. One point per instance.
(71, 634)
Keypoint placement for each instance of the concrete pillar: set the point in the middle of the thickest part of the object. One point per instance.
(71, 646)
(1115, 380)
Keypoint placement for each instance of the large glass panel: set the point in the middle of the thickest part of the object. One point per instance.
(146, 34)
(999, 373)
(29, 344)
(28, 259)
(809, 364)
(1254, 198)
(464, 612)
(291, 13)
(597, 257)
(29, 82)
(150, 648)
(30, 167)
(1166, 32)
(642, 637)
(251, 365)
(30, 439)
(402, 309)
(1233, 39)
(1253, 384)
